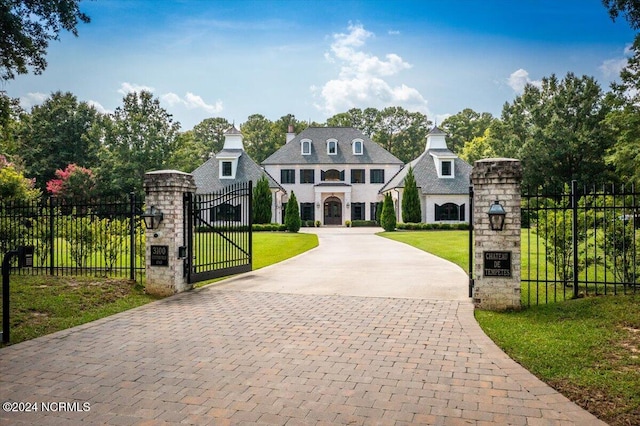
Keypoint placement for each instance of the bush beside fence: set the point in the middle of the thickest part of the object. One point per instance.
(581, 241)
(77, 237)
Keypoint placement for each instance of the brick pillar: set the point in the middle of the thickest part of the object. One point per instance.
(497, 253)
(165, 190)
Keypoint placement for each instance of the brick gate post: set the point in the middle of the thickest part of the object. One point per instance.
(165, 191)
(496, 253)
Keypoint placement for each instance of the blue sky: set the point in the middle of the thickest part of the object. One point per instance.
(313, 59)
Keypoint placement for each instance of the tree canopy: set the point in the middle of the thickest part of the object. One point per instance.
(27, 27)
(55, 134)
(138, 137)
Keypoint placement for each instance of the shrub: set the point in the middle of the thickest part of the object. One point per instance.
(411, 211)
(269, 227)
(361, 223)
(262, 200)
(388, 218)
(292, 214)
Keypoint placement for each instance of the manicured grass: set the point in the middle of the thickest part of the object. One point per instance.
(450, 245)
(44, 304)
(588, 349)
(274, 247)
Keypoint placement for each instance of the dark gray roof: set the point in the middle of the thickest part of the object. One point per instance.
(291, 153)
(427, 180)
(207, 175)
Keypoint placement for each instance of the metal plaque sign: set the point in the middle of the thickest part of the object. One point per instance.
(159, 255)
(497, 264)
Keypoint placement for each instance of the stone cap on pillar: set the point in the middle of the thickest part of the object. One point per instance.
(168, 178)
(488, 168)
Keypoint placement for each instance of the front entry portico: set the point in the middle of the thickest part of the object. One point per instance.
(333, 211)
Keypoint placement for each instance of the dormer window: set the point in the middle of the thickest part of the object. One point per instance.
(306, 147)
(357, 147)
(228, 165)
(226, 169)
(446, 168)
(332, 147)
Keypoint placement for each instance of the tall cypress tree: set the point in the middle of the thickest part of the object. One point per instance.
(262, 200)
(411, 211)
(292, 214)
(388, 218)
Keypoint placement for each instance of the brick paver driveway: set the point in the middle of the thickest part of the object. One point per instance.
(265, 348)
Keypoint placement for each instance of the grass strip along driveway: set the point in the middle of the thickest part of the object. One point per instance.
(44, 304)
(587, 349)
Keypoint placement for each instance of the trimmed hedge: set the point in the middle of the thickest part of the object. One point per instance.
(269, 227)
(360, 223)
(432, 226)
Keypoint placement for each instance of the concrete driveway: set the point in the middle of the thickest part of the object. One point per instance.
(361, 331)
(356, 262)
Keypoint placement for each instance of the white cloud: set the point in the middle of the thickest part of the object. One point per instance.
(191, 101)
(519, 79)
(32, 99)
(612, 67)
(98, 106)
(360, 82)
(126, 88)
(441, 117)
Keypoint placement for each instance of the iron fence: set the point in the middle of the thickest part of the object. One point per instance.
(102, 238)
(580, 241)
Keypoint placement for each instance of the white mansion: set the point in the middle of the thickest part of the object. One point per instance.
(339, 174)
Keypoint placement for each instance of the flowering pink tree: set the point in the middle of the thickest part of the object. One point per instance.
(72, 182)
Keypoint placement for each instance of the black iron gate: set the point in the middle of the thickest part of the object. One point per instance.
(218, 233)
(471, 252)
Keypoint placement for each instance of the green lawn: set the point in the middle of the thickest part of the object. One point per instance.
(588, 349)
(274, 247)
(450, 245)
(44, 304)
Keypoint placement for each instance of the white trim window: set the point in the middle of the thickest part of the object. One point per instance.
(446, 168)
(305, 147)
(357, 147)
(332, 147)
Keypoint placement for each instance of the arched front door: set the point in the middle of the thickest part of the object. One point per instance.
(332, 211)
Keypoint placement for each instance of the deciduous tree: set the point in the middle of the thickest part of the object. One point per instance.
(139, 136)
(72, 182)
(464, 126)
(58, 133)
(14, 186)
(559, 127)
(209, 136)
(27, 27)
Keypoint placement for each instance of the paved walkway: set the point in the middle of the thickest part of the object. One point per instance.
(270, 347)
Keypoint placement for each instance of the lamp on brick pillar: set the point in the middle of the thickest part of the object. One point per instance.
(152, 217)
(496, 216)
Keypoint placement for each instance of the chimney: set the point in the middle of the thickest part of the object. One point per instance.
(290, 133)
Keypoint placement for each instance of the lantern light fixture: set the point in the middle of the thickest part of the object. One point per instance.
(152, 217)
(496, 216)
